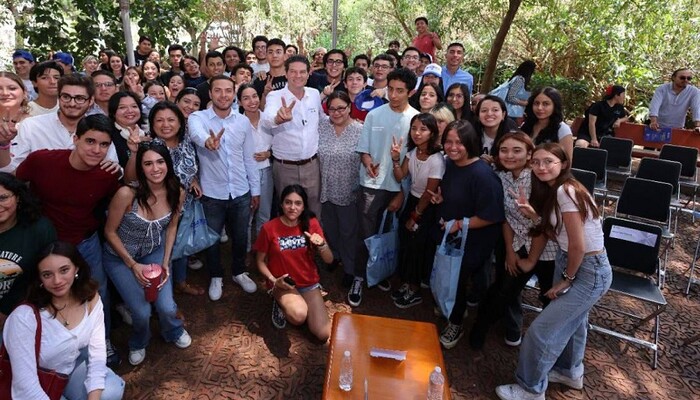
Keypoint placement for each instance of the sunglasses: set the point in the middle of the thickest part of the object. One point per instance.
(149, 144)
(685, 78)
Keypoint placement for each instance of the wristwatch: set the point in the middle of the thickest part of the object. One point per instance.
(567, 277)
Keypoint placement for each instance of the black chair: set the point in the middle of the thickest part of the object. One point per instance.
(688, 157)
(663, 171)
(594, 160)
(650, 202)
(633, 251)
(619, 155)
(587, 179)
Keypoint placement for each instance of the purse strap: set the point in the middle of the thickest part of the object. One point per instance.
(37, 336)
(465, 228)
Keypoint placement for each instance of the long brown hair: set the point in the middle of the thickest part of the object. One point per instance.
(544, 197)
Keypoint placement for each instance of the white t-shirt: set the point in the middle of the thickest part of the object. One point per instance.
(260, 67)
(421, 171)
(564, 131)
(35, 109)
(263, 142)
(488, 143)
(592, 229)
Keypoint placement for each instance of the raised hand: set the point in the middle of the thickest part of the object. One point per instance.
(135, 139)
(315, 239)
(396, 148)
(330, 88)
(284, 114)
(214, 140)
(523, 203)
(436, 196)
(8, 129)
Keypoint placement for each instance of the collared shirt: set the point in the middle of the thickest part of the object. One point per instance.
(44, 132)
(263, 142)
(297, 139)
(95, 109)
(670, 108)
(339, 162)
(231, 171)
(520, 224)
(460, 76)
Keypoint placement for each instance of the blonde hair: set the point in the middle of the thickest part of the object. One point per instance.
(442, 113)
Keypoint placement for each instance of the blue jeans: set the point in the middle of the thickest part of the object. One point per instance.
(179, 269)
(263, 212)
(134, 296)
(235, 213)
(557, 337)
(91, 250)
(75, 389)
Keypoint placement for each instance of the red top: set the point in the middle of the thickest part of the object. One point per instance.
(424, 43)
(355, 113)
(68, 196)
(287, 253)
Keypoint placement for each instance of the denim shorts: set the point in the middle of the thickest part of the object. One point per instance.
(305, 289)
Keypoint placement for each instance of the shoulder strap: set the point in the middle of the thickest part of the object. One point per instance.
(37, 336)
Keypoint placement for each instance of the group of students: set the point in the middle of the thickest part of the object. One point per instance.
(441, 162)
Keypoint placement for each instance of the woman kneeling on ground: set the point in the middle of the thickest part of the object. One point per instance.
(285, 249)
(72, 330)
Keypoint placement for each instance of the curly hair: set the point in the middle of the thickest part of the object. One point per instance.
(28, 207)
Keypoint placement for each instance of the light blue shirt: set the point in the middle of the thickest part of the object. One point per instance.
(231, 171)
(670, 108)
(381, 125)
(460, 76)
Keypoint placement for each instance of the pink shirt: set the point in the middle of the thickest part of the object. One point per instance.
(425, 44)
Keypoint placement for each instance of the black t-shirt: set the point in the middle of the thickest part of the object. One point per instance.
(203, 94)
(605, 118)
(473, 190)
(139, 59)
(278, 82)
(194, 82)
(319, 80)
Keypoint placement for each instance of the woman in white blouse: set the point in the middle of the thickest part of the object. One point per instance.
(72, 330)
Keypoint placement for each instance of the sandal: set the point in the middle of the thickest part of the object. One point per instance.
(186, 288)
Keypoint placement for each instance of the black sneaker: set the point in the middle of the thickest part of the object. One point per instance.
(355, 293)
(278, 318)
(451, 335)
(513, 339)
(113, 359)
(425, 283)
(397, 294)
(384, 285)
(473, 300)
(409, 299)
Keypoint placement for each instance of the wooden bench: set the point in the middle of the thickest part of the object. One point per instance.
(680, 137)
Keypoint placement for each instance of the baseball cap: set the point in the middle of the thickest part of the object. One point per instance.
(433, 69)
(21, 53)
(65, 58)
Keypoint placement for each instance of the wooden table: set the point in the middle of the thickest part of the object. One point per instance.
(387, 378)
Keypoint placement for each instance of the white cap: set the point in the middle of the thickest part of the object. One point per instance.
(433, 69)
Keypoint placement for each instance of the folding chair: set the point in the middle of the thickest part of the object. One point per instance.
(650, 202)
(692, 280)
(688, 157)
(633, 251)
(663, 171)
(594, 160)
(587, 179)
(619, 155)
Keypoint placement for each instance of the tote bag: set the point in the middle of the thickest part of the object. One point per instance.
(446, 266)
(383, 249)
(193, 233)
(514, 110)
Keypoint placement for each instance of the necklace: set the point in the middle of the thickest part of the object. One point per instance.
(59, 311)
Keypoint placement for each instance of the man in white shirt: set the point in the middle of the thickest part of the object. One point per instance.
(44, 77)
(671, 101)
(23, 61)
(55, 130)
(292, 114)
(229, 179)
(260, 51)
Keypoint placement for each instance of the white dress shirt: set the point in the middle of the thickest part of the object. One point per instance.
(231, 171)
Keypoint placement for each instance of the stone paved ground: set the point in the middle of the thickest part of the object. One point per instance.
(237, 354)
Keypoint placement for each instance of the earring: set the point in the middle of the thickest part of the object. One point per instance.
(41, 285)
(76, 275)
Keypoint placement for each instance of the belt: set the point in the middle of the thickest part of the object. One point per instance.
(299, 162)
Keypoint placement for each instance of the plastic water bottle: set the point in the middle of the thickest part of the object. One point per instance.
(346, 372)
(437, 384)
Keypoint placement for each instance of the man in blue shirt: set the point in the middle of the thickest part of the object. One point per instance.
(451, 71)
(671, 101)
(229, 178)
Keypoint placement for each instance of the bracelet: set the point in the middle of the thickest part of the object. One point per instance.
(396, 160)
(6, 146)
(567, 277)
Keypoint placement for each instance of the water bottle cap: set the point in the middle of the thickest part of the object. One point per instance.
(347, 353)
(438, 370)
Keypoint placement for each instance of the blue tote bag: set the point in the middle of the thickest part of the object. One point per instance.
(383, 249)
(193, 233)
(446, 266)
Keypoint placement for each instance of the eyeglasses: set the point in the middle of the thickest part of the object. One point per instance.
(105, 85)
(339, 109)
(547, 162)
(411, 57)
(685, 78)
(66, 98)
(334, 61)
(149, 144)
(261, 47)
(381, 66)
(6, 197)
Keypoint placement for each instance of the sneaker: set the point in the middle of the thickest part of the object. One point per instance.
(409, 300)
(216, 288)
(397, 294)
(184, 341)
(472, 301)
(425, 283)
(224, 236)
(113, 359)
(136, 357)
(557, 377)
(195, 263)
(513, 339)
(384, 285)
(516, 392)
(245, 282)
(124, 313)
(451, 335)
(278, 318)
(355, 293)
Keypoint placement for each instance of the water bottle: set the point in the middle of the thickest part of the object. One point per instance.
(437, 383)
(346, 372)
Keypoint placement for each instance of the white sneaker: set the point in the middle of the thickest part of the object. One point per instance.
(184, 341)
(516, 392)
(224, 236)
(216, 288)
(557, 377)
(136, 357)
(124, 313)
(195, 263)
(245, 282)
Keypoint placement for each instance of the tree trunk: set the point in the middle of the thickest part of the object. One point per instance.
(498, 44)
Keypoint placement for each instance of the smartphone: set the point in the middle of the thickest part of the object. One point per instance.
(289, 281)
(563, 291)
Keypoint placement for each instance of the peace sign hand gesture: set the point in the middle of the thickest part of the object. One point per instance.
(435, 197)
(396, 148)
(523, 203)
(330, 88)
(214, 140)
(284, 114)
(8, 129)
(135, 139)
